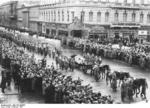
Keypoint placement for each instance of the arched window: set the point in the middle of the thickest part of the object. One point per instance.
(62, 15)
(49, 16)
(68, 16)
(133, 17)
(58, 16)
(54, 16)
(125, 16)
(141, 17)
(44, 15)
(82, 16)
(107, 17)
(148, 18)
(98, 16)
(72, 15)
(90, 16)
(116, 16)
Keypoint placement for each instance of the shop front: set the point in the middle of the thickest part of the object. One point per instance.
(98, 33)
(142, 36)
(125, 31)
(62, 30)
(77, 29)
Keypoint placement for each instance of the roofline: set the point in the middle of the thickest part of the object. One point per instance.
(8, 3)
(29, 7)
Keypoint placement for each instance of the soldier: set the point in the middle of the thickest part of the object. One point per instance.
(123, 91)
(3, 81)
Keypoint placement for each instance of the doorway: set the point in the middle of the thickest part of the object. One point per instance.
(76, 33)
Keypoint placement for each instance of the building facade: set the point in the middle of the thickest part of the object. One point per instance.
(28, 18)
(8, 14)
(99, 18)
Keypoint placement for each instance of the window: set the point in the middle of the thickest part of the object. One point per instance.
(54, 16)
(72, 16)
(141, 17)
(106, 16)
(124, 17)
(125, 1)
(99, 17)
(148, 18)
(90, 16)
(68, 16)
(49, 16)
(44, 16)
(116, 17)
(133, 17)
(82, 16)
(62, 15)
(58, 16)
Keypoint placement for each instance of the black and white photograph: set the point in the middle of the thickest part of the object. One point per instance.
(74, 52)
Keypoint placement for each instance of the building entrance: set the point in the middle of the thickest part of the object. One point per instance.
(76, 33)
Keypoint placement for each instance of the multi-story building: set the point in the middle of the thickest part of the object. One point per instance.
(28, 18)
(8, 14)
(96, 18)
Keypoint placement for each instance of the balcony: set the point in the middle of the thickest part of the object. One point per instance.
(125, 6)
(126, 24)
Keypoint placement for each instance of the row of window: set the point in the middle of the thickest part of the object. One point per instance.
(51, 16)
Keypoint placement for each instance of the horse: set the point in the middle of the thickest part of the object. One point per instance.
(72, 64)
(134, 87)
(114, 84)
(58, 61)
(127, 90)
(121, 76)
(103, 70)
(140, 83)
(100, 70)
(66, 64)
(110, 76)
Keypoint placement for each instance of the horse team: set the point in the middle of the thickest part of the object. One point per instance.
(130, 86)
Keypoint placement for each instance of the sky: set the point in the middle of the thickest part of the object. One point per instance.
(4, 1)
(146, 1)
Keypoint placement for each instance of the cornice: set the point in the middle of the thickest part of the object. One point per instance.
(96, 6)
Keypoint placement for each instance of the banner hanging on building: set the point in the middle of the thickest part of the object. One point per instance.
(142, 32)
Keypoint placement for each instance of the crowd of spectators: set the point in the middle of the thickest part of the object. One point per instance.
(32, 75)
(134, 55)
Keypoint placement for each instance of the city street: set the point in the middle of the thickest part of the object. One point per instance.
(12, 96)
(33, 34)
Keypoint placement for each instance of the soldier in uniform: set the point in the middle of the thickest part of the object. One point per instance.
(3, 81)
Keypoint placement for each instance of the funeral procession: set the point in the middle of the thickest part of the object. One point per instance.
(74, 51)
